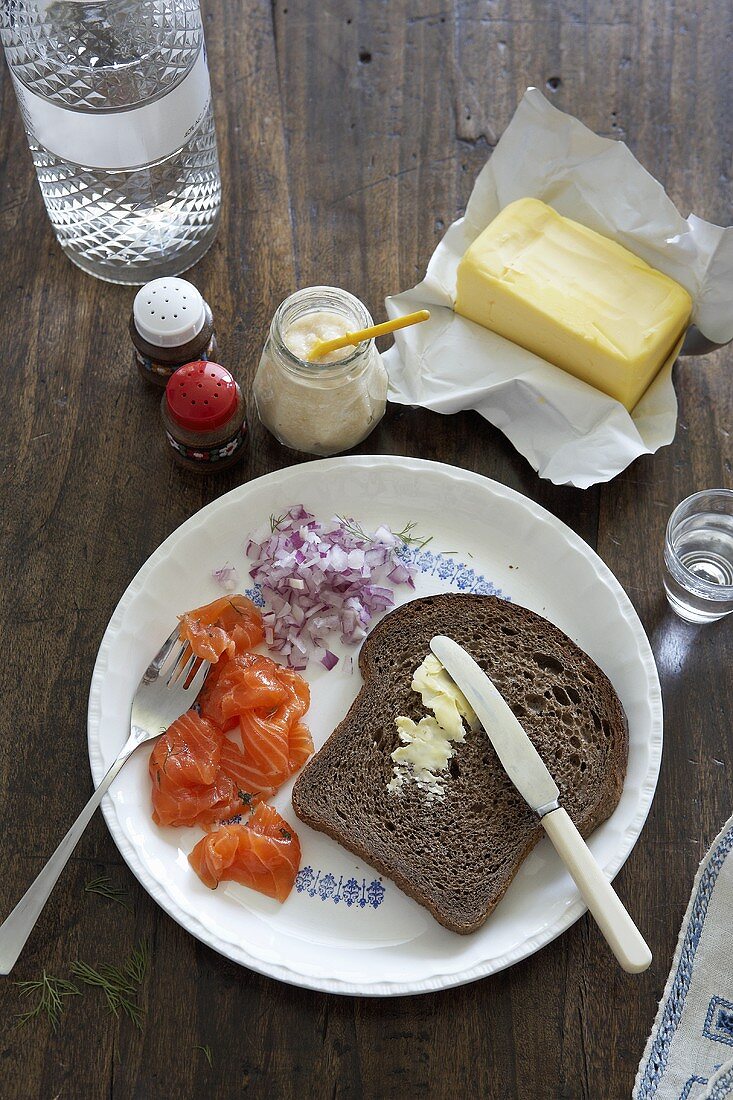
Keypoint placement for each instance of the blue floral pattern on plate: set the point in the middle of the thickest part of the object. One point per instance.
(352, 892)
(449, 568)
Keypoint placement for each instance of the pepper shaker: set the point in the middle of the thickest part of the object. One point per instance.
(203, 412)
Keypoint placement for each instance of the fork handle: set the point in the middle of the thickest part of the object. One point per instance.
(17, 927)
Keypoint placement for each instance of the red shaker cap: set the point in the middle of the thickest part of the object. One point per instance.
(201, 396)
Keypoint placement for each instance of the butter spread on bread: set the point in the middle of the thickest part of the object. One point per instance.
(427, 746)
(441, 695)
(424, 753)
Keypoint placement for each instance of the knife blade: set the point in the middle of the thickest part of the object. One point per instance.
(527, 771)
(520, 759)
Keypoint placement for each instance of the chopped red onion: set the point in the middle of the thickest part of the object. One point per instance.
(226, 576)
(319, 579)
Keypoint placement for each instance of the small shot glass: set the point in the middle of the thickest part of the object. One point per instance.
(698, 557)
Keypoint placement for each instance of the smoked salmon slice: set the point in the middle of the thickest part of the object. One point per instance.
(189, 785)
(231, 624)
(201, 776)
(245, 681)
(264, 854)
(266, 735)
(248, 781)
(201, 805)
(188, 753)
(300, 746)
(265, 748)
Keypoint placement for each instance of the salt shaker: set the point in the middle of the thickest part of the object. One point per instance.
(171, 324)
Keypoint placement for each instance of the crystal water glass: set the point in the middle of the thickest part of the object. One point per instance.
(116, 102)
(698, 557)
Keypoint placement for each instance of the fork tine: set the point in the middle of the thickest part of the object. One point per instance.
(171, 659)
(185, 673)
(198, 681)
(168, 643)
(180, 660)
(161, 657)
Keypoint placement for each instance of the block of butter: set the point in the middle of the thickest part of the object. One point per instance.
(573, 297)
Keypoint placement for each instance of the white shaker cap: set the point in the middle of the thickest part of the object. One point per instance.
(168, 312)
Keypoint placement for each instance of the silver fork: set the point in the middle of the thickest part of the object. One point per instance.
(165, 692)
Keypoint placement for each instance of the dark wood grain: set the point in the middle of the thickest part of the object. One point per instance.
(350, 135)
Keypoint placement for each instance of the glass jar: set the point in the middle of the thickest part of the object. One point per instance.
(321, 407)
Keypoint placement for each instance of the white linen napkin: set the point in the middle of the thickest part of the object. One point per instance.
(568, 431)
(689, 1054)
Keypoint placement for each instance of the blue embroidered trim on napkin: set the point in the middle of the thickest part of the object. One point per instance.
(688, 1055)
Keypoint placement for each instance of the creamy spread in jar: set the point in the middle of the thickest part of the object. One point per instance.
(331, 404)
(304, 333)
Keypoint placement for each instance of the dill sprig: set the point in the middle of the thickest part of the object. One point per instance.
(275, 521)
(120, 985)
(136, 964)
(354, 528)
(104, 886)
(52, 992)
(118, 990)
(405, 535)
(207, 1053)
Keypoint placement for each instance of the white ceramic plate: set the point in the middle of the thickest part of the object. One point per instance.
(343, 929)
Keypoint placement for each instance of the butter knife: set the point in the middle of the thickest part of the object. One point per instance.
(528, 773)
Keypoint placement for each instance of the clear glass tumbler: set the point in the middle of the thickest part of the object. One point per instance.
(116, 103)
(698, 557)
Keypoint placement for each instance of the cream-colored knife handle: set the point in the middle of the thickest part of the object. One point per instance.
(622, 935)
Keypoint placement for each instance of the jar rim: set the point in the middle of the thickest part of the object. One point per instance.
(316, 298)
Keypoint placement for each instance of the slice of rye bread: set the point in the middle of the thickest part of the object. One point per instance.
(457, 856)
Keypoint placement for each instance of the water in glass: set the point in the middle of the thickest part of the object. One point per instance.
(698, 557)
(116, 103)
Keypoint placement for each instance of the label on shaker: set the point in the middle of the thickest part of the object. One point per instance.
(123, 139)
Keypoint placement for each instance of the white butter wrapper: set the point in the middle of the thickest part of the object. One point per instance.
(570, 432)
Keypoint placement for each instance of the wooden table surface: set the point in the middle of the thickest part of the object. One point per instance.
(350, 135)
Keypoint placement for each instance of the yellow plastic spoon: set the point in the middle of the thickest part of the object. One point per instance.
(324, 347)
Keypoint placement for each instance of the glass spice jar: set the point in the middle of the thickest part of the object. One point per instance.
(329, 405)
(171, 324)
(203, 411)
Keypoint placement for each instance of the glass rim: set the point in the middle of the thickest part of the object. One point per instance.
(716, 592)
